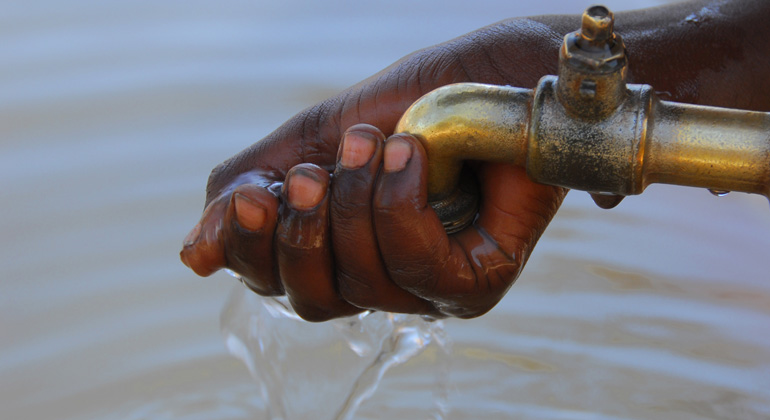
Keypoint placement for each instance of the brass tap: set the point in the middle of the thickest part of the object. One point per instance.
(585, 129)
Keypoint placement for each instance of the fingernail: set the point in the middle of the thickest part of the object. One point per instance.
(304, 192)
(357, 150)
(397, 154)
(192, 237)
(250, 215)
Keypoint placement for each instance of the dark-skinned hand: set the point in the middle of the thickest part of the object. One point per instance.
(332, 211)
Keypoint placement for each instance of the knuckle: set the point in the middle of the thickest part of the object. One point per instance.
(299, 235)
(344, 210)
(320, 129)
(464, 308)
(266, 289)
(347, 242)
(296, 248)
(356, 291)
(415, 277)
(215, 182)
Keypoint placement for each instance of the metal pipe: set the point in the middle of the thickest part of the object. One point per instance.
(585, 129)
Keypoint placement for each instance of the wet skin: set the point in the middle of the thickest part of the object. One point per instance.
(333, 212)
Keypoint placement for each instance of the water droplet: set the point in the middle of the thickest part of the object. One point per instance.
(693, 19)
(719, 193)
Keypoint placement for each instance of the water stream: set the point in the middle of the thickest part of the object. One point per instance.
(328, 370)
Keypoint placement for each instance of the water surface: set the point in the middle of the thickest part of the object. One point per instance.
(112, 115)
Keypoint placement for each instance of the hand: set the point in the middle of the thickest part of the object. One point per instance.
(369, 239)
(364, 241)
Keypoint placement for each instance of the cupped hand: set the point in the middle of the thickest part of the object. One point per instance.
(365, 238)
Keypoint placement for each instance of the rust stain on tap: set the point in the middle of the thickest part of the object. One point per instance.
(585, 129)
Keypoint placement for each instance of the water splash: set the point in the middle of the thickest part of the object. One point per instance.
(718, 193)
(692, 18)
(328, 370)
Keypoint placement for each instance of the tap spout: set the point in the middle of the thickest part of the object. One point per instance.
(462, 122)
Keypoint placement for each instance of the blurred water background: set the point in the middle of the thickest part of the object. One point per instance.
(112, 115)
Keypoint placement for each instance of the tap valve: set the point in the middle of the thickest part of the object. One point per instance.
(592, 67)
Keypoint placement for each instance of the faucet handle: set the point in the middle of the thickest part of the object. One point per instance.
(592, 67)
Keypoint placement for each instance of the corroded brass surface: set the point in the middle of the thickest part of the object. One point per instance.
(468, 121)
(586, 129)
(595, 156)
(598, 24)
(715, 148)
(592, 68)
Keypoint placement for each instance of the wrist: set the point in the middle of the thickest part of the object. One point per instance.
(700, 52)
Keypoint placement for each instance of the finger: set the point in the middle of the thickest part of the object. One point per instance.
(203, 248)
(412, 240)
(361, 274)
(303, 246)
(514, 210)
(513, 213)
(607, 201)
(467, 274)
(248, 238)
(420, 257)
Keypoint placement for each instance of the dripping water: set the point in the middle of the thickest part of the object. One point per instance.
(718, 193)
